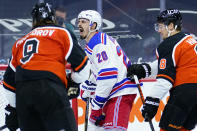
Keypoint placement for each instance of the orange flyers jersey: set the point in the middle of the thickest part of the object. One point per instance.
(48, 49)
(177, 59)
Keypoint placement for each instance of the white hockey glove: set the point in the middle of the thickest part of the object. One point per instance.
(87, 90)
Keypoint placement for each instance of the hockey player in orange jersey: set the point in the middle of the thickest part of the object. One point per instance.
(177, 73)
(36, 75)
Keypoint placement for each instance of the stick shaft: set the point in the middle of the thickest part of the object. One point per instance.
(143, 101)
(86, 114)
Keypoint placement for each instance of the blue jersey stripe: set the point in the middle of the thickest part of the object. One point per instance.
(107, 69)
(107, 77)
(88, 52)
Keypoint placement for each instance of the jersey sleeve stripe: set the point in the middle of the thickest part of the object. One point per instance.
(71, 45)
(12, 66)
(108, 73)
(107, 77)
(126, 80)
(82, 63)
(100, 100)
(126, 83)
(166, 77)
(103, 38)
(107, 69)
(157, 54)
(9, 87)
(88, 50)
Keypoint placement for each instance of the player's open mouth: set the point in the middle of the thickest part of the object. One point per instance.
(81, 30)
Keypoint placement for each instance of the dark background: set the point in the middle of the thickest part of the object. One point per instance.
(133, 22)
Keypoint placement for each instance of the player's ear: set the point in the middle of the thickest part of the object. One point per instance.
(171, 26)
(94, 25)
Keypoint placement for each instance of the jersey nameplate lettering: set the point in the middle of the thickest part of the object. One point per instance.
(42, 32)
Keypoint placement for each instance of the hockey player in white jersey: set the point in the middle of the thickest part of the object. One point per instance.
(111, 91)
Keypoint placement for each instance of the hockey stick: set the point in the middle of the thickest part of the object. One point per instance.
(143, 101)
(3, 127)
(86, 114)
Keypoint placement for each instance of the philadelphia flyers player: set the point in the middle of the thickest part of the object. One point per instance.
(36, 75)
(177, 73)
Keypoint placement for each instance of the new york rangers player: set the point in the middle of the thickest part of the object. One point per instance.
(111, 91)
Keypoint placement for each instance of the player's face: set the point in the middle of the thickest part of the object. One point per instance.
(161, 29)
(60, 14)
(83, 25)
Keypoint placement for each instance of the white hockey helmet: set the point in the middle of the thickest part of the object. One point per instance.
(93, 16)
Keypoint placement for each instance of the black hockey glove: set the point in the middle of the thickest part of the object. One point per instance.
(11, 118)
(141, 70)
(73, 89)
(150, 108)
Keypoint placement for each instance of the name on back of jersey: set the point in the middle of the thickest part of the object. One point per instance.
(37, 32)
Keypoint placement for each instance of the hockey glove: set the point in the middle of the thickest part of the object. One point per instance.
(11, 118)
(141, 70)
(87, 90)
(97, 117)
(73, 89)
(150, 108)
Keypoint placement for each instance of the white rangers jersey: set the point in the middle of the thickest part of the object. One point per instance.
(109, 66)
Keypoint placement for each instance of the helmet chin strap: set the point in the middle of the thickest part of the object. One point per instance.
(169, 32)
(90, 31)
